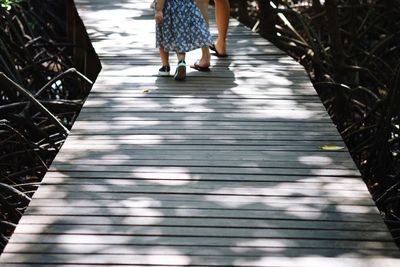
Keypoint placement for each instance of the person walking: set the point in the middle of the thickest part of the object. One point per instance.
(180, 27)
(222, 14)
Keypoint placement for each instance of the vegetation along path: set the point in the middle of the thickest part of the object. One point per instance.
(223, 169)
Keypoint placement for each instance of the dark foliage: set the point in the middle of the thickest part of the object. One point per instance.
(41, 94)
(351, 50)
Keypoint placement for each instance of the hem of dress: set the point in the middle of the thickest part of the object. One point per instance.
(168, 48)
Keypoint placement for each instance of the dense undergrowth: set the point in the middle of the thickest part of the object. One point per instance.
(351, 50)
(41, 94)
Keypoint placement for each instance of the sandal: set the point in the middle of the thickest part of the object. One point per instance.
(216, 53)
(196, 66)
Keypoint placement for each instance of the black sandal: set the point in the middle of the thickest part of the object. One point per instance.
(196, 66)
(216, 53)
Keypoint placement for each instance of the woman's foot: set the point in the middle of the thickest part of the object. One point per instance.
(219, 51)
(198, 66)
(204, 62)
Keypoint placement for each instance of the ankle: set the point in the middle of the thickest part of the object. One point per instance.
(204, 61)
(220, 46)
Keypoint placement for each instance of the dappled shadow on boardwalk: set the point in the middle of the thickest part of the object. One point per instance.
(223, 169)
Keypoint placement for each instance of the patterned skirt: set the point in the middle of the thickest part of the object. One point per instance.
(184, 28)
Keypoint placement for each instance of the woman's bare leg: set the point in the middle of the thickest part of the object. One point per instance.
(222, 14)
(203, 6)
(205, 59)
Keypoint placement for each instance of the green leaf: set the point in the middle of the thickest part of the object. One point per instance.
(331, 147)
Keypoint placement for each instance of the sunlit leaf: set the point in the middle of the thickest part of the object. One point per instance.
(331, 147)
(382, 92)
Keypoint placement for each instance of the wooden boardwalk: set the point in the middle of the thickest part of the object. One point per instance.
(224, 169)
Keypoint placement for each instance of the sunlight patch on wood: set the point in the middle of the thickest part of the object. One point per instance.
(165, 175)
(334, 172)
(263, 243)
(315, 160)
(357, 209)
(143, 202)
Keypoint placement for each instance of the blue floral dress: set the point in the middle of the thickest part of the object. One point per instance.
(184, 28)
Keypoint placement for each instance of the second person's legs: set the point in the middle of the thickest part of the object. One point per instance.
(222, 15)
(204, 61)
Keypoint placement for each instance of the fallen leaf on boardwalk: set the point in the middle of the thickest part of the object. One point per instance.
(331, 147)
(146, 91)
(382, 92)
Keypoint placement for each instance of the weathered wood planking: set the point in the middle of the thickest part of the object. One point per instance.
(224, 169)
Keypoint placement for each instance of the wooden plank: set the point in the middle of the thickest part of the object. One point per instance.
(175, 170)
(137, 221)
(199, 241)
(182, 260)
(240, 64)
(222, 137)
(136, 138)
(211, 184)
(153, 93)
(196, 118)
(183, 162)
(126, 137)
(292, 114)
(262, 124)
(237, 61)
(89, 249)
(120, 108)
(243, 204)
(189, 232)
(222, 84)
(324, 127)
(239, 89)
(333, 180)
(218, 200)
(307, 158)
(173, 130)
(232, 81)
(119, 102)
(171, 190)
(203, 147)
(140, 70)
(359, 214)
(246, 158)
(331, 262)
(172, 95)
